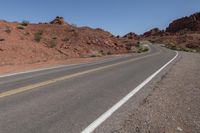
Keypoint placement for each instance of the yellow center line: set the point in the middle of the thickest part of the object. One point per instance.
(36, 85)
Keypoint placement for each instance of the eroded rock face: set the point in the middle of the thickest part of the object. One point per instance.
(186, 23)
(58, 20)
(153, 32)
(131, 35)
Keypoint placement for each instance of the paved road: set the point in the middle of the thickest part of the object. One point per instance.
(68, 99)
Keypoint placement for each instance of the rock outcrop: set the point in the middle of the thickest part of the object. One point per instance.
(153, 32)
(56, 40)
(181, 34)
(131, 35)
(58, 20)
(191, 23)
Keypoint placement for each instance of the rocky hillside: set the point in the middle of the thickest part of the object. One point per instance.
(22, 43)
(181, 34)
(191, 23)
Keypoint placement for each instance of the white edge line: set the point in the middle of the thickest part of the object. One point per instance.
(108, 113)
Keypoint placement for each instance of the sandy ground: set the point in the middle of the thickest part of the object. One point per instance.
(174, 104)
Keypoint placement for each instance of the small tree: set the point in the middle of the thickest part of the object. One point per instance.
(25, 23)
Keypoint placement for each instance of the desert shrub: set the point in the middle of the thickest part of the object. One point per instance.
(25, 23)
(109, 53)
(54, 38)
(38, 35)
(173, 47)
(73, 25)
(137, 44)
(20, 27)
(8, 29)
(2, 39)
(93, 55)
(101, 51)
(191, 45)
(118, 36)
(66, 39)
(143, 49)
(26, 33)
(51, 44)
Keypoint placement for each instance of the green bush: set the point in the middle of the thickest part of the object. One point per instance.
(143, 49)
(93, 55)
(25, 23)
(20, 27)
(51, 44)
(38, 36)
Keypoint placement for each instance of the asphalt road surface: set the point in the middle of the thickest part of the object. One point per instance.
(68, 99)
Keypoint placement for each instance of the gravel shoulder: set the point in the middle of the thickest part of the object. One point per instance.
(170, 104)
(174, 104)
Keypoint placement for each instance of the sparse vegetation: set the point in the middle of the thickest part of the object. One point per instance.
(51, 44)
(93, 55)
(25, 23)
(73, 25)
(27, 33)
(66, 39)
(38, 35)
(143, 49)
(8, 29)
(96, 54)
(109, 53)
(20, 27)
(102, 52)
(137, 44)
(2, 39)
(54, 38)
(186, 49)
(118, 36)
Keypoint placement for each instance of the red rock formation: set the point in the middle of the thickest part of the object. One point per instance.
(153, 32)
(55, 41)
(191, 23)
(181, 34)
(58, 20)
(131, 35)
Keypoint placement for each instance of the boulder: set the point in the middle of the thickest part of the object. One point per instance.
(58, 20)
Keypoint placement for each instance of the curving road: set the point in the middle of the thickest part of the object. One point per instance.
(70, 98)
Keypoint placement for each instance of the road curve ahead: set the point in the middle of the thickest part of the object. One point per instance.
(68, 99)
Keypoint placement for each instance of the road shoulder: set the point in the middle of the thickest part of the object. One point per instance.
(171, 103)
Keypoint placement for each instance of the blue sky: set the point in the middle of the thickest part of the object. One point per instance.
(116, 16)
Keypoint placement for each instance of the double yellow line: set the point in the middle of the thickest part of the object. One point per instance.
(36, 85)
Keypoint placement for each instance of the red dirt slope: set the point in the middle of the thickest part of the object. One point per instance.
(24, 43)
